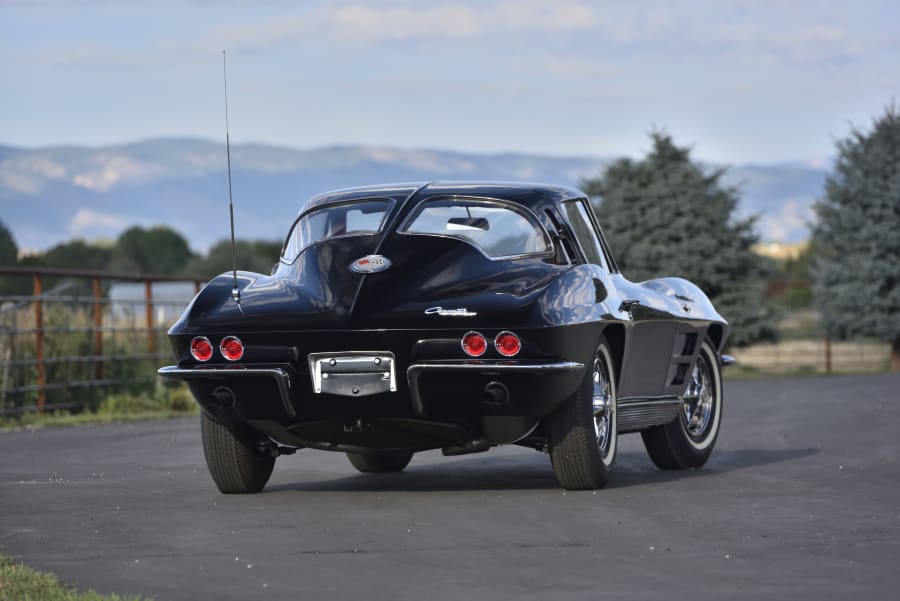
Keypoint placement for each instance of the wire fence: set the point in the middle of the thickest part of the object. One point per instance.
(68, 338)
(815, 355)
(804, 345)
(75, 332)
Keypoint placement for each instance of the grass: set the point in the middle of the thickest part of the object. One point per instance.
(21, 583)
(33, 421)
(114, 408)
(743, 372)
(807, 357)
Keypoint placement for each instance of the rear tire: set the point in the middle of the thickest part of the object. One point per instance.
(582, 433)
(381, 462)
(234, 463)
(688, 441)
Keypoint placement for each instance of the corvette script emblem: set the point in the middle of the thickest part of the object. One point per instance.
(463, 312)
(370, 264)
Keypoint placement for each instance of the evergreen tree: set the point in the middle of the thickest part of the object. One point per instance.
(666, 215)
(77, 254)
(857, 268)
(9, 250)
(258, 256)
(9, 255)
(158, 250)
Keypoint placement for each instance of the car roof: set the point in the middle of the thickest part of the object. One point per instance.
(525, 193)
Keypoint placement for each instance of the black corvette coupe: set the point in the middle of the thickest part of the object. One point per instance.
(453, 316)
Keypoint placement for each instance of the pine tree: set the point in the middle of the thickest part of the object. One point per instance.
(9, 255)
(158, 249)
(856, 272)
(9, 251)
(666, 215)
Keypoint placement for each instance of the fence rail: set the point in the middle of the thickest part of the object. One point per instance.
(816, 356)
(64, 334)
(54, 344)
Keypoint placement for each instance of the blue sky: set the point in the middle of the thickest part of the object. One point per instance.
(759, 81)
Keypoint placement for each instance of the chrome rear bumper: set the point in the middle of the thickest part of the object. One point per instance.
(417, 370)
(281, 377)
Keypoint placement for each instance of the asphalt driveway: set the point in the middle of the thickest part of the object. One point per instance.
(800, 500)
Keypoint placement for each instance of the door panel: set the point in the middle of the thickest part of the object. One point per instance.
(649, 354)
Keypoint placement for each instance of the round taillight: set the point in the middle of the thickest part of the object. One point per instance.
(474, 344)
(201, 348)
(507, 344)
(231, 348)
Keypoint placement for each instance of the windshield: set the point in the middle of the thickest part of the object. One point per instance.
(499, 230)
(358, 218)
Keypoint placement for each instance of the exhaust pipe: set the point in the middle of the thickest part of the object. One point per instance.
(495, 393)
(223, 396)
(479, 445)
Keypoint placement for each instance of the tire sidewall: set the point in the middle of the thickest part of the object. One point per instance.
(572, 437)
(603, 352)
(705, 445)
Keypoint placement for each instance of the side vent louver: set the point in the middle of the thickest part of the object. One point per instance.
(690, 345)
(680, 373)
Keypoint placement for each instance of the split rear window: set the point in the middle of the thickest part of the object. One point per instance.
(499, 230)
(358, 218)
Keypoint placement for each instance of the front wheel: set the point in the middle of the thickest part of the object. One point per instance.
(582, 433)
(234, 464)
(688, 441)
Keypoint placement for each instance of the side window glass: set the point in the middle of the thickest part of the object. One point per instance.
(584, 232)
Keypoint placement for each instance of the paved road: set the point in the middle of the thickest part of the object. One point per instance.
(801, 500)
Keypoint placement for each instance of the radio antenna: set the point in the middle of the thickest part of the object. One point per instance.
(235, 293)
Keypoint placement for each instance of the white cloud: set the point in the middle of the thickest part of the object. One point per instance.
(791, 219)
(88, 221)
(19, 182)
(761, 33)
(29, 175)
(365, 24)
(110, 169)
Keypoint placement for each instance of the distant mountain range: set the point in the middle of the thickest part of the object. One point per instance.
(53, 194)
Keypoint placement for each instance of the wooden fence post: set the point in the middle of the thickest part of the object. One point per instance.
(37, 292)
(827, 353)
(148, 301)
(98, 330)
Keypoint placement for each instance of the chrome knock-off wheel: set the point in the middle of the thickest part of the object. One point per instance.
(604, 407)
(697, 406)
(688, 440)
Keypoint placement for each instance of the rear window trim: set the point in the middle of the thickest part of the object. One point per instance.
(513, 206)
(391, 204)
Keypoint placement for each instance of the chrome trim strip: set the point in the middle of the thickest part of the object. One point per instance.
(282, 378)
(639, 414)
(639, 400)
(654, 402)
(415, 371)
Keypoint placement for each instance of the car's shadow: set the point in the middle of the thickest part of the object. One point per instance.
(524, 472)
